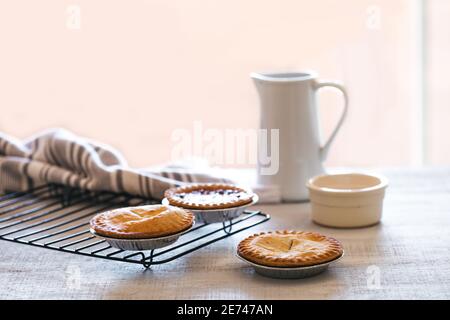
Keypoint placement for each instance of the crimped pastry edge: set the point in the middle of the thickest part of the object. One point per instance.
(101, 230)
(169, 194)
(252, 254)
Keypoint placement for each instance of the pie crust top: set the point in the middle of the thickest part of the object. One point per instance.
(150, 221)
(208, 196)
(289, 248)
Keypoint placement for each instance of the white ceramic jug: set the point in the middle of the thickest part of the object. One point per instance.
(288, 103)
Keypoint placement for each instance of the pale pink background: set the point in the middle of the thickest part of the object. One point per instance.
(438, 84)
(137, 70)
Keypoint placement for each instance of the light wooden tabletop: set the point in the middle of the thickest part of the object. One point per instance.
(407, 256)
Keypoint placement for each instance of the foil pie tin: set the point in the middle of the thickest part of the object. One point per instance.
(218, 215)
(141, 244)
(290, 272)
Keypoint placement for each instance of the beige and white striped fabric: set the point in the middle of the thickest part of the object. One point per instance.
(59, 156)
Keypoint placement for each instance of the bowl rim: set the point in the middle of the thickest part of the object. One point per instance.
(380, 186)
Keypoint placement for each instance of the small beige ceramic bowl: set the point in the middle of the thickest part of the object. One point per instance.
(347, 200)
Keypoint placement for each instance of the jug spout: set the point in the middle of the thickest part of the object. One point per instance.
(282, 77)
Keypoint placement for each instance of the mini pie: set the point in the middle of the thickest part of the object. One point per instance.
(208, 196)
(289, 248)
(151, 221)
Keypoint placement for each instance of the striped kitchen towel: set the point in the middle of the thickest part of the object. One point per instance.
(59, 156)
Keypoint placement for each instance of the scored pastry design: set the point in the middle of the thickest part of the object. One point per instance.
(150, 221)
(289, 248)
(208, 196)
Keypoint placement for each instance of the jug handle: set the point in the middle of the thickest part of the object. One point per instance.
(320, 84)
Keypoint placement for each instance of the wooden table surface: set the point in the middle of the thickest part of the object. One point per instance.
(407, 256)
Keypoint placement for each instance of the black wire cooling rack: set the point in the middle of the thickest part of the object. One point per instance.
(57, 218)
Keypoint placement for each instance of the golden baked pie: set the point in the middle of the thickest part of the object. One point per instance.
(142, 222)
(208, 196)
(289, 248)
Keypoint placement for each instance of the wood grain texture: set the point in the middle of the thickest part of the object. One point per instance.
(410, 248)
